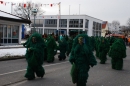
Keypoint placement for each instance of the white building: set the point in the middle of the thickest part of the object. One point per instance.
(11, 28)
(50, 23)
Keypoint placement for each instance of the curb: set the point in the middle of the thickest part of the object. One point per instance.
(11, 58)
(10, 47)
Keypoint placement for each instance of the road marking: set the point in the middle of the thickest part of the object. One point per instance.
(25, 69)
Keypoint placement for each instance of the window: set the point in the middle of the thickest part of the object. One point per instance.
(1, 31)
(49, 31)
(94, 23)
(15, 31)
(63, 23)
(9, 31)
(76, 23)
(86, 23)
(100, 26)
(5, 31)
(50, 22)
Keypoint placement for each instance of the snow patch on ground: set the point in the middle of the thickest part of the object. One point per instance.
(12, 52)
(8, 46)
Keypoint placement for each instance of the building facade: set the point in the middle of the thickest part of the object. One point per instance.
(11, 29)
(104, 28)
(65, 23)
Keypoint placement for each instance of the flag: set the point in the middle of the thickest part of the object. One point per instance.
(51, 5)
(1, 2)
(24, 5)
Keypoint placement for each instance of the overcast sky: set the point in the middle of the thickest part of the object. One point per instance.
(106, 10)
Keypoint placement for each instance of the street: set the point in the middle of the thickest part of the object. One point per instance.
(58, 74)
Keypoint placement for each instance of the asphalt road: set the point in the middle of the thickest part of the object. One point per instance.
(58, 74)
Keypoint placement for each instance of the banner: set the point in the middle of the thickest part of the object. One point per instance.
(28, 4)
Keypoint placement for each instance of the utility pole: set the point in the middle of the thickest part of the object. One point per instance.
(69, 9)
(79, 19)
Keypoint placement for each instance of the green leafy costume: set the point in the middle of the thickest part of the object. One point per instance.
(51, 48)
(34, 56)
(111, 40)
(92, 43)
(69, 45)
(45, 49)
(96, 47)
(103, 50)
(117, 53)
(62, 48)
(81, 58)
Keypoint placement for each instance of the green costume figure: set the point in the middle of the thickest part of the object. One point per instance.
(62, 48)
(69, 45)
(111, 40)
(66, 38)
(34, 56)
(81, 58)
(103, 50)
(117, 53)
(51, 48)
(97, 46)
(92, 43)
(45, 49)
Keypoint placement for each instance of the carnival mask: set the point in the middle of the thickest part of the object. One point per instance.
(34, 39)
(80, 39)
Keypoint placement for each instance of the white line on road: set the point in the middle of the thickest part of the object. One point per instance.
(25, 69)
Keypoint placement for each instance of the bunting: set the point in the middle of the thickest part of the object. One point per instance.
(2, 2)
(28, 4)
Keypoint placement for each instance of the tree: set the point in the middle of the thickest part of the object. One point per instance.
(116, 24)
(25, 10)
(128, 23)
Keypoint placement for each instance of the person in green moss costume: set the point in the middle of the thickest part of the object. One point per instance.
(82, 57)
(62, 48)
(96, 46)
(51, 48)
(103, 50)
(111, 40)
(92, 42)
(69, 45)
(117, 53)
(34, 56)
(45, 49)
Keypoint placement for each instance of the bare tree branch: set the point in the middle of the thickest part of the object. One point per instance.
(128, 23)
(115, 24)
(26, 12)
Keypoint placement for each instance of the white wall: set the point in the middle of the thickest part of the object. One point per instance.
(90, 25)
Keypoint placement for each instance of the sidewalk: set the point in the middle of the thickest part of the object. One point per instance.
(13, 53)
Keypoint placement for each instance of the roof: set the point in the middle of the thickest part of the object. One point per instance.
(10, 17)
(15, 20)
(55, 16)
(104, 24)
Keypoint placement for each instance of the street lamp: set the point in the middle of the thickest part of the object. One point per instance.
(34, 12)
